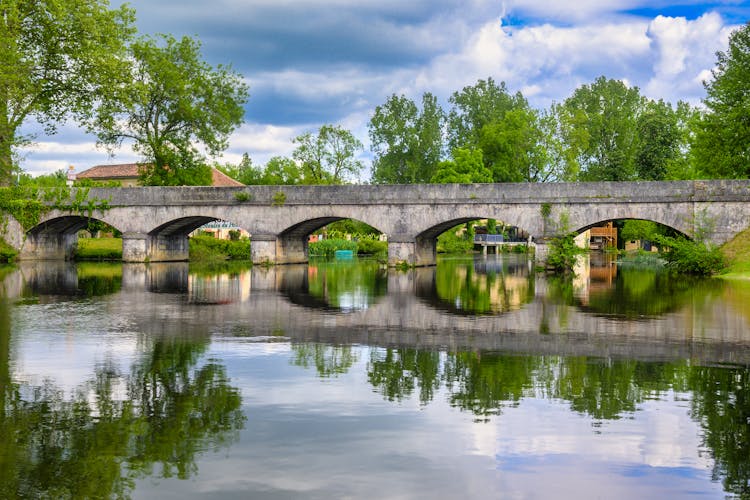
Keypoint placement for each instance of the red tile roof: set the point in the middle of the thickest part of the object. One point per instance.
(122, 171)
(220, 179)
(131, 171)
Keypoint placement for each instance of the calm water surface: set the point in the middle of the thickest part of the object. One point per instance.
(473, 379)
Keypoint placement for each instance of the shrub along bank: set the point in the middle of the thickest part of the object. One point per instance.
(208, 248)
(365, 246)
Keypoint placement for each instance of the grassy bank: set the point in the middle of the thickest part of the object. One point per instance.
(202, 249)
(7, 252)
(99, 249)
(737, 253)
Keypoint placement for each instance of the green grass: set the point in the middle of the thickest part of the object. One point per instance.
(99, 249)
(737, 253)
(7, 252)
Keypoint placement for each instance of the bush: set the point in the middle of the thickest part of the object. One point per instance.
(328, 247)
(563, 253)
(206, 248)
(7, 252)
(691, 257)
(371, 247)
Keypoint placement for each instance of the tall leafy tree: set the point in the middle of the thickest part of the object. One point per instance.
(329, 156)
(512, 147)
(466, 167)
(722, 143)
(599, 126)
(174, 101)
(407, 142)
(659, 141)
(57, 60)
(476, 106)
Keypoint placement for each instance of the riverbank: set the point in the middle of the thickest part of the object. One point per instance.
(202, 249)
(737, 253)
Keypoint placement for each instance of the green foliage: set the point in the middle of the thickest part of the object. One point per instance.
(407, 142)
(27, 204)
(635, 229)
(356, 228)
(279, 198)
(476, 106)
(659, 146)
(7, 253)
(281, 171)
(599, 128)
(56, 179)
(513, 147)
(328, 157)
(721, 143)
(59, 59)
(467, 167)
(458, 239)
(563, 253)
(208, 248)
(327, 247)
(99, 249)
(173, 101)
(371, 246)
(691, 257)
(242, 196)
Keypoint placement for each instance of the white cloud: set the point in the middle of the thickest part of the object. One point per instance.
(684, 53)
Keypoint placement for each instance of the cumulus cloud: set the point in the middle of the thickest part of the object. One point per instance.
(684, 53)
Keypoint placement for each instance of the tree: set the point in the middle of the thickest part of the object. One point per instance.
(476, 106)
(174, 101)
(407, 143)
(599, 127)
(282, 171)
(58, 60)
(328, 157)
(512, 147)
(722, 143)
(659, 141)
(466, 167)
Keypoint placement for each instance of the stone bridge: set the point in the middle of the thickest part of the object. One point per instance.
(155, 221)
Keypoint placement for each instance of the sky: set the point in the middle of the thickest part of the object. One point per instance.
(315, 62)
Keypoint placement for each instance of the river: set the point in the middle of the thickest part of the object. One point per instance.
(475, 378)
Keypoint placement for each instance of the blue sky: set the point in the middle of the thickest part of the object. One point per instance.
(310, 62)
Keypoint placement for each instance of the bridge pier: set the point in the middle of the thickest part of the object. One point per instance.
(142, 247)
(49, 246)
(263, 248)
(411, 251)
(291, 250)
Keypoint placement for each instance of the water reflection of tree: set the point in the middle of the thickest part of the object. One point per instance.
(336, 285)
(328, 360)
(395, 373)
(459, 287)
(637, 293)
(332, 281)
(483, 383)
(721, 404)
(115, 428)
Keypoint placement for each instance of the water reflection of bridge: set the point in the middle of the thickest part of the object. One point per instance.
(261, 301)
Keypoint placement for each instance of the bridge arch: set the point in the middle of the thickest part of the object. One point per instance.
(425, 242)
(291, 244)
(679, 217)
(56, 237)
